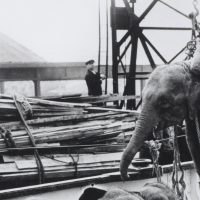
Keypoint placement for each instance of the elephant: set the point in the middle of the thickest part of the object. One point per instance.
(171, 95)
(150, 191)
(166, 153)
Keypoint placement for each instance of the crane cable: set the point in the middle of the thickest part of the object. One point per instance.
(193, 16)
(191, 45)
(195, 4)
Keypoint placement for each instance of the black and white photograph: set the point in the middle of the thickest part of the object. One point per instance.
(100, 99)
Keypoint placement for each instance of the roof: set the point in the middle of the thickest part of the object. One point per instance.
(12, 51)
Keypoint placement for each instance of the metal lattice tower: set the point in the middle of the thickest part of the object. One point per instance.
(124, 18)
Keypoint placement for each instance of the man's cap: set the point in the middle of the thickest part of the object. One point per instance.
(89, 62)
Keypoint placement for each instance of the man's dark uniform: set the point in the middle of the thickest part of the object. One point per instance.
(93, 81)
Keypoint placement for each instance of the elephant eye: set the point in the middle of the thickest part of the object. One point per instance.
(164, 102)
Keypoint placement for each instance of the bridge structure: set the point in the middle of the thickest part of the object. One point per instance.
(47, 71)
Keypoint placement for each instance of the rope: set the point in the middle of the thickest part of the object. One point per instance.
(178, 184)
(162, 140)
(2, 133)
(32, 140)
(8, 139)
(8, 135)
(75, 163)
(25, 106)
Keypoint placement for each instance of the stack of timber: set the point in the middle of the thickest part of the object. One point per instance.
(72, 139)
(39, 108)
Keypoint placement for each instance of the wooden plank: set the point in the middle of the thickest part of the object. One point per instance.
(75, 95)
(31, 164)
(60, 174)
(94, 99)
(50, 120)
(80, 149)
(54, 103)
(12, 158)
(67, 160)
(37, 88)
(60, 134)
(2, 87)
(55, 136)
(134, 112)
(60, 128)
(55, 166)
(8, 168)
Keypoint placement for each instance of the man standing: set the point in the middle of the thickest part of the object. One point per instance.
(93, 79)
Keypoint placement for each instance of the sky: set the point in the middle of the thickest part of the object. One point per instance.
(67, 30)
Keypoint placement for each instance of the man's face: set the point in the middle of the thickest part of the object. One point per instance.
(90, 66)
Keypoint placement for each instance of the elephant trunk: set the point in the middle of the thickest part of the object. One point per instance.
(147, 120)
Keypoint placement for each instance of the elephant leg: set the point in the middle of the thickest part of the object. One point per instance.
(193, 143)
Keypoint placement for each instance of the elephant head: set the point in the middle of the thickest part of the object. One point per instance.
(150, 191)
(170, 96)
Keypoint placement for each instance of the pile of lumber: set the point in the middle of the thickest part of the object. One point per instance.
(85, 132)
(73, 139)
(40, 108)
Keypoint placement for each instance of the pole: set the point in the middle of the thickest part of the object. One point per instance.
(115, 49)
(107, 39)
(99, 51)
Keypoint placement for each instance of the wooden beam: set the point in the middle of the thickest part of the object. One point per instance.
(152, 46)
(134, 112)
(144, 14)
(172, 59)
(186, 16)
(2, 88)
(166, 28)
(146, 49)
(37, 88)
(115, 48)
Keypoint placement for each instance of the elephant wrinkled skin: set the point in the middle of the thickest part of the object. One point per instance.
(150, 191)
(172, 94)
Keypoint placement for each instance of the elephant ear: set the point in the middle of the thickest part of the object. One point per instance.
(92, 193)
(195, 62)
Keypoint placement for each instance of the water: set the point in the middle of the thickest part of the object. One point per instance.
(60, 87)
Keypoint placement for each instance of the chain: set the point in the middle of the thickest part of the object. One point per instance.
(176, 181)
(154, 148)
(191, 45)
(190, 49)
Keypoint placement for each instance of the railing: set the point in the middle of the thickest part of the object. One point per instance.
(39, 71)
